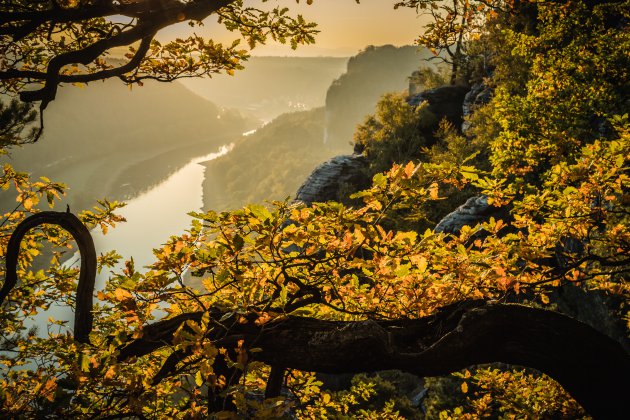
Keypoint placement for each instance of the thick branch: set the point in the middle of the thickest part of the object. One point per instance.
(155, 15)
(593, 368)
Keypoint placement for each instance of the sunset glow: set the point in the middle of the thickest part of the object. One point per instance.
(346, 27)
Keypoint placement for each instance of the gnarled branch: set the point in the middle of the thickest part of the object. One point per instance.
(152, 16)
(85, 288)
(592, 367)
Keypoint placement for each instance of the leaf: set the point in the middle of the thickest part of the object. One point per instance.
(122, 294)
(410, 169)
(84, 362)
(379, 180)
(434, 191)
(464, 387)
(326, 398)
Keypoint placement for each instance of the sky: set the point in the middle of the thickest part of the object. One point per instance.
(346, 27)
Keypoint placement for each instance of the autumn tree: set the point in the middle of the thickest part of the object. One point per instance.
(453, 24)
(46, 43)
(235, 314)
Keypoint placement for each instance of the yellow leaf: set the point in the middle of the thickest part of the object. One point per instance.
(122, 294)
(422, 265)
(28, 203)
(464, 387)
(409, 169)
(434, 191)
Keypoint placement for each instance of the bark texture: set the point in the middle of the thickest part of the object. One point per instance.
(592, 367)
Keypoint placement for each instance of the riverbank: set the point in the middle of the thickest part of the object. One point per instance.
(119, 176)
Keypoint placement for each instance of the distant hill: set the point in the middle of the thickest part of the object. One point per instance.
(105, 140)
(270, 164)
(270, 86)
(370, 74)
(273, 162)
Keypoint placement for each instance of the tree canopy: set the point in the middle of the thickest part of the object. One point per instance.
(236, 314)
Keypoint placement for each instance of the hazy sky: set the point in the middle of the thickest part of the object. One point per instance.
(345, 26)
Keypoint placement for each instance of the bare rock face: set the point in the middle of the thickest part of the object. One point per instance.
(474, 210)
(478, 95)
(444, 102)
(334, 178)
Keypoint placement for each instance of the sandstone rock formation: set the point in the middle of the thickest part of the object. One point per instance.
(474, 210)
(333, 178)
(444, 101)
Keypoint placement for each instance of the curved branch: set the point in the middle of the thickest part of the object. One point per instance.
(592, 367)
(83, 56)
(132, 64)
(154, 16)
(85, 288)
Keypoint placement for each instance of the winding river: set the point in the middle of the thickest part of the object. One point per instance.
(152, 217)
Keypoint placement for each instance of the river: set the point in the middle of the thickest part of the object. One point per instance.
(152, 217)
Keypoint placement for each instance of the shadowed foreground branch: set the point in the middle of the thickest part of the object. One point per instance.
(83, 319)
(592, 367)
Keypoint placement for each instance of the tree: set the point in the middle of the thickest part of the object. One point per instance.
(45, 43)
(454, 24)
(301, 297)
(327, 288)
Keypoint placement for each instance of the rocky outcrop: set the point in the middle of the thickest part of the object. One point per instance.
(444, 102)
(334, 180)
(478, 95)
(474, 210)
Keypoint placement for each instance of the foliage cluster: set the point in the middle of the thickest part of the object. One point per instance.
(578, 79)
(394, 133)
(491, 392)
(51, 42)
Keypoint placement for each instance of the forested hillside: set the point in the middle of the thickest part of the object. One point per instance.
(106, 140)
(269, 164)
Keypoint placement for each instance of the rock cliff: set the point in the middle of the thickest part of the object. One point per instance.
(333, 179)
(343, 175)
(444, 102)
(370, 74)
(474, 210)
